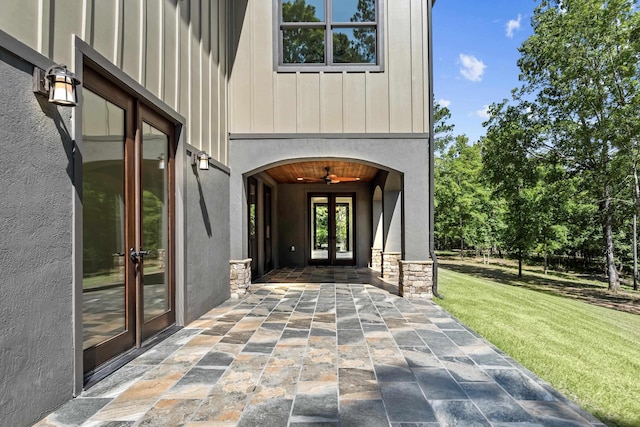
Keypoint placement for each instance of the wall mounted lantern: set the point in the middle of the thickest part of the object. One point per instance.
(161, 161)
(58, 83)
(201, 158)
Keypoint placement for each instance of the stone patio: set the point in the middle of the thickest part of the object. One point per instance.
(342, 352)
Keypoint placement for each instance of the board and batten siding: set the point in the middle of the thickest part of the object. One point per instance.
(263, 101)
(177, 49)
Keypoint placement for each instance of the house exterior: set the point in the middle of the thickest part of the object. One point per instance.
(312, 122)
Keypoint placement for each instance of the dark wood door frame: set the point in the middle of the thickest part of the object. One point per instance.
(136, 329)
(267, 201)
(332, 244)
(252, 223)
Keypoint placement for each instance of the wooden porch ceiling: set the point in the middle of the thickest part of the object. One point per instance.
(314, 171)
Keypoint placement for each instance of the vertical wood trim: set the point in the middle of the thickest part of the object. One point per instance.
(366, 104)
(251, 11)
(344, 102)
(388, 58)
(216, 64)
(117, 31)
(417, 66)
(223, 77)
(176, 71)
(200, 70)
(232, 29)
(274, 100)
(207, 124)
(426, 71)
(321, 101)
(412, 61)
(212, 123)
(83, 30)
(188, 58)
(298, 102)
(40, 36)
(142, 57)
(161, 53)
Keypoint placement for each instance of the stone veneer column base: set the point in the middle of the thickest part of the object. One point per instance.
(376, 259)
(416, 279)
(390, 268)
(240, 277)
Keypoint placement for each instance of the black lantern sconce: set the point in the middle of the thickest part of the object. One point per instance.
(58, 84)
(201, 158)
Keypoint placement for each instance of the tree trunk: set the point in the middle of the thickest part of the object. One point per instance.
(636, 197)
(607, 226)
(461, 239)
(519, 263)
(545, 263)
(635, 254)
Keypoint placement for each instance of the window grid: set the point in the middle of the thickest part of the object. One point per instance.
(328, 27)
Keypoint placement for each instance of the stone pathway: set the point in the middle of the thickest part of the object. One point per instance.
(322, 354)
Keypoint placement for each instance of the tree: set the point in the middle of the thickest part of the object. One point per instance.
(581, 67)
(442, 129)
(551, 198)
(355, 45)
(365, 38)
(301, 45)
(514, 172)
(462, 198)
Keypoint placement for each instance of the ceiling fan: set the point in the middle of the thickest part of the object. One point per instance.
(330, 178)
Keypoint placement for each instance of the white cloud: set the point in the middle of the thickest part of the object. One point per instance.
(444, 102)
(513, 25)
(472, 68)
(484, 113)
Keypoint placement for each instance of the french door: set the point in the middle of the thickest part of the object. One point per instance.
(128, 204)
(332, 229)
(268, 251)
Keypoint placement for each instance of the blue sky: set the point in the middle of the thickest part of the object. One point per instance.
(475, 50)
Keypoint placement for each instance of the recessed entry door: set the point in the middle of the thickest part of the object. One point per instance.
(332, 229)
(268, 251)
(127, 198)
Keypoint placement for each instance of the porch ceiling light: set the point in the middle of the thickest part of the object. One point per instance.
(201, 158)
(58, 83)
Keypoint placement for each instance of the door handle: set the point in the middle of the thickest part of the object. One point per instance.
(137, 255)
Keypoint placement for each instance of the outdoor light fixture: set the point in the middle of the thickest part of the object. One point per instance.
(201, 158)
(161, 161)
(58, 83)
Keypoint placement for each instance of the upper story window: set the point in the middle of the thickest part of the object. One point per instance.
(329, 35)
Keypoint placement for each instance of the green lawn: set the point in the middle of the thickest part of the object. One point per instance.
(589, 353)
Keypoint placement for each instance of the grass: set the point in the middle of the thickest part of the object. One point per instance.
(584, 287)
(589, 353)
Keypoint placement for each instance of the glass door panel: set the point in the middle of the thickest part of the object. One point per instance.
(155, 224)
(127, 196)
(253, 224)
(268, 254)
(332, 227)
(320, 228)
(344, 228)
(105, 255)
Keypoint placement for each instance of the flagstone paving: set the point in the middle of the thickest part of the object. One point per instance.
(322, 354)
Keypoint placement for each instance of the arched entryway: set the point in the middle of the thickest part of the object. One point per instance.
(309, 212)
(317, 179)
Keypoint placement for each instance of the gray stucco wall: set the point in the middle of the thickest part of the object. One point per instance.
(293, 211)
(36, 348)
(207, 239)
(406, 155)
